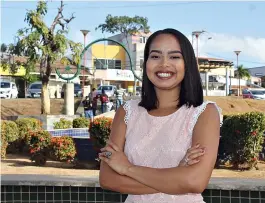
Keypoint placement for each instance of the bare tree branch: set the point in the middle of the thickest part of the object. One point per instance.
(58, 17)
(70, 19)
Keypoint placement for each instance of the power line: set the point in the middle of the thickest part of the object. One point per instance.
(214, 55)
(124, 6)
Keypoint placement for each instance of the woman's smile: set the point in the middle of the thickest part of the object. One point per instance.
(164, 75)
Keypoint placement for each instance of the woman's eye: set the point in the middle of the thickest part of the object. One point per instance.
(175, 57)
(154, 57)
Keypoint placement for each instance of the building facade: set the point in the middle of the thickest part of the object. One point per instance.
(259, 74)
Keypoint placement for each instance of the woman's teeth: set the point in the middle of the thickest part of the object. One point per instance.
(164, 75)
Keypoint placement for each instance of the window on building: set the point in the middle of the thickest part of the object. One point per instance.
(111, 64)
(141, 63)
(142, 39)
(117, 64)
(134, 47)
(102, 64)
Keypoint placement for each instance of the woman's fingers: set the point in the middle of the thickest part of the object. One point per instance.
(108, 148)
(102, 158)
(195, 155)
(193, 148)
(195, 151)
(193, 161)
(114, 146)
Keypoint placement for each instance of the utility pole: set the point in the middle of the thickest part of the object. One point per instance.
(237, 53)
(197, 34)
(84, 32)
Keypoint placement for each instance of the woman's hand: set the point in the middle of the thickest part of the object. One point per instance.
(115, 158)
(192, 156)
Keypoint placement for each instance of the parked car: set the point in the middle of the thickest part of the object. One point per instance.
(77, 90)
(8, 90)
(254, 94)
(109, 90)
(34, 90)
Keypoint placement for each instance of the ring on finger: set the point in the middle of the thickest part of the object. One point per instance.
(108, 154)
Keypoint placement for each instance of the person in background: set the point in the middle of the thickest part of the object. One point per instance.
(104, 100)
(94, 100)
(110, 105)
(119, 96)
(88, 110)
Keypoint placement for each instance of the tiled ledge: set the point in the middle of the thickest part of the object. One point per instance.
(50, 180)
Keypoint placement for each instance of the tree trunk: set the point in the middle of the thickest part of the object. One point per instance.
(239, 93)
(45, 97)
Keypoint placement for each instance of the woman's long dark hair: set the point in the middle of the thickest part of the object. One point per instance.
(191, 93)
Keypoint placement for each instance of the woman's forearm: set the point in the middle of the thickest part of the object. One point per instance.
(111, 180)
(170, 181)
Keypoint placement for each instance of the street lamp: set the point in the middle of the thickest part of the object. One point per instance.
(197, 34)
(237, 53)
(84, 32)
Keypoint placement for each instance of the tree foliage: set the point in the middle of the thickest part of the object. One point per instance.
(124, 25)
(242, 72)
(45, 44)
(8, 60)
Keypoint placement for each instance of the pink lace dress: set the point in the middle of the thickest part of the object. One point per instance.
(160, 142)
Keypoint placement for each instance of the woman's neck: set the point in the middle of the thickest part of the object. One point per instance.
(167, 98)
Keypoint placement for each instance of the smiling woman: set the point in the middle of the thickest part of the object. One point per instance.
(163, 147)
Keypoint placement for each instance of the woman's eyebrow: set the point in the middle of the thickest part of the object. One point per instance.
(170, 52)
(175, 52)
(156, 51)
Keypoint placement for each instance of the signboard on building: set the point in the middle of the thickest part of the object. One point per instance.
(120, 75)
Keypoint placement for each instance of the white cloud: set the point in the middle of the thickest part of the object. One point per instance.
(252, 49)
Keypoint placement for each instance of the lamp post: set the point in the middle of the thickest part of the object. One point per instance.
(197, 34)
(237, 53)
(84, 32)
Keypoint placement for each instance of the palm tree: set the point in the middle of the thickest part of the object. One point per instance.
(242, 72)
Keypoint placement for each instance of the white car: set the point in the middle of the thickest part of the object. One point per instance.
(258, 94)
(8, 90)
(109, 90)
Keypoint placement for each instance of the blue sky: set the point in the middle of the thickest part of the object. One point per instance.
(231, 25)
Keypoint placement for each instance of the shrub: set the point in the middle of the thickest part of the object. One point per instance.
(242, 138)
(81, 122)
(63, 124)
(39, 146)
(27, 124)
(10, 129)
(4, 145)
(100, 131)
(63, 148)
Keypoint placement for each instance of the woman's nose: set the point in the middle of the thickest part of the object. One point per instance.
(164, 61)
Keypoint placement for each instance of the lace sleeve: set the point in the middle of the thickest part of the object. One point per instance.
(127, 108)
(198, 112)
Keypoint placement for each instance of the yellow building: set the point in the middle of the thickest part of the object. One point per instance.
(108, 63)
(20, 72)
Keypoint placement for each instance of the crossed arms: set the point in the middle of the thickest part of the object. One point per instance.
(178, 180)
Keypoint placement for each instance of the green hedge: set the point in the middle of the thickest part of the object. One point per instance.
(81, 122)
(26, 125)
(63, 124)
(10, 129)
(242, 139)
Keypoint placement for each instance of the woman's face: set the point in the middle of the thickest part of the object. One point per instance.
(165, 66)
